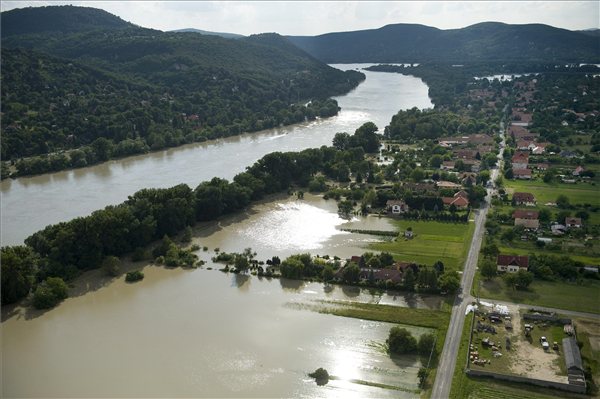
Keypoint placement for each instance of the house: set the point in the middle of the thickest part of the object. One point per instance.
(539, 148)
(480, 138)
(525, 145)
(573, 362)
(447, 165)
(522, 174)
(528, 219)
(578, 170)
(526, 199)
(465, 154)
(571, 223)
(520, 160)
(396, 207)
(558, 229)
(369, 274)
(468, 176)
(459, 202)
(447, 184)
(473, 165)
(512, 263)
(461, 193)
(403, 266)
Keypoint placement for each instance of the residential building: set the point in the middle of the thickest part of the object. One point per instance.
(396, 207)
(573, 223)
(526, 218)
(512, 263)
(520, 160)
(522, 174)
(526, 199)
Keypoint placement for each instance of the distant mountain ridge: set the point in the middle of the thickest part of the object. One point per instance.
(483, 42)
(226, 35)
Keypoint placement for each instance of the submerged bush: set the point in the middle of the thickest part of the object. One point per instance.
(133, 276)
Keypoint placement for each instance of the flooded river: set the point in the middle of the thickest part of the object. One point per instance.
(31, 203)
(203, 333)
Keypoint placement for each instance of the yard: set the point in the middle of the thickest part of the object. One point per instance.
(584, 297)
(464, 386)
(580, 193)
(432, 241)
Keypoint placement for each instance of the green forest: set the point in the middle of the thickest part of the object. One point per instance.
(114, 90)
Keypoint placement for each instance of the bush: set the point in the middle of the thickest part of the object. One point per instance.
(50, 292)
(111, 265)
(133, 276)
(425, 345)
(320, 375)
(401, 341)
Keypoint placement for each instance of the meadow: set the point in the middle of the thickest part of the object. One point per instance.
(432, 242)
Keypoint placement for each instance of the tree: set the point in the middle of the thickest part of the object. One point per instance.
(111, 265)
(425, 345)
(341, 141)
(449, 282)
(345, 207)
(422, 375)
(50, 292)
(484, 176)
(435, 161)
(549, 176)
(328, 273)
(292, 268)
(401, 341)
(544, 215)
(351, 273)
(409, 280)
(523, 279)
(488, 269)
(510, 279)
(417, 175)
(584, 215)
(19, 265)
(562, 201)
(242, 263)
(491, 250)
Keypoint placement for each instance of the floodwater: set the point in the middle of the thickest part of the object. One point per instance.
(31, 203)
(203, 333)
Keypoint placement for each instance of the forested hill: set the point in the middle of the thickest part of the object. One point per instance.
(489, 41)
(58, 19)
(145, 89)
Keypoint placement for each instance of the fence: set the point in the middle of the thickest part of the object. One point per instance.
(542, 383)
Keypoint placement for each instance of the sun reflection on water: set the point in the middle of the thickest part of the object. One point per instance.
(294, 225)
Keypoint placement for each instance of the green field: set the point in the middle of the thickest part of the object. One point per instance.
(432, 241)
(581, 193)
(560, 295)
(529, 248)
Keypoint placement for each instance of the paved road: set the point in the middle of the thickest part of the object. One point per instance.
(445, 371)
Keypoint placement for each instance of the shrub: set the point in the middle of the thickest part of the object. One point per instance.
(50, 292)
(133, 276)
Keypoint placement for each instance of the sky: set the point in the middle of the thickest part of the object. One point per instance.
(317, 17)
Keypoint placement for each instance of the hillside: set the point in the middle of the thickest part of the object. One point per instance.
(145, 89)
(489, 41)
(58, 19)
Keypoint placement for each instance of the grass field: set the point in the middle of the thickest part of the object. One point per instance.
(560, 295)
(528, 248)
(581, 193)
(432, 241)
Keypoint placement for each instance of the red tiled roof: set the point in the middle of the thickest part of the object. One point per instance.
(514, 260)
(525, 214)
(523, 197)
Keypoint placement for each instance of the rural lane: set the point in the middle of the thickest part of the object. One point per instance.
(445, 369)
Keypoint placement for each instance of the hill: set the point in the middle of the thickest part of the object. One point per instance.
(58, 19)
(206, 32)
(144, 89)
(489, 41)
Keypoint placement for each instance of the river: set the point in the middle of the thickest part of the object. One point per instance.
(200, 332)
(31, 203)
